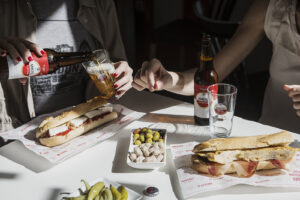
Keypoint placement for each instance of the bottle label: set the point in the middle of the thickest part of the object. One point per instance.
(201, 102)
(39, 66)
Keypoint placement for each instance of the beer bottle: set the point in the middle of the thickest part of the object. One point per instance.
(43, 65)
(204, 76)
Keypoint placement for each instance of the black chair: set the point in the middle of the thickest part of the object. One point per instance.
(221, 31)
(212, 17)
(187, 32)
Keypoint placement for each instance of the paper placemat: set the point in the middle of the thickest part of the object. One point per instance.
(192, 183)
(26, 134)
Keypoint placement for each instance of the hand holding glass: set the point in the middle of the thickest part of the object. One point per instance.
(101, 70)
(222, 98)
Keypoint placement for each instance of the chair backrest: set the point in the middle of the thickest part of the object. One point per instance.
(220, 30)
(216, 9)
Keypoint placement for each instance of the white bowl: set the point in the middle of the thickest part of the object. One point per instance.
(147, 165)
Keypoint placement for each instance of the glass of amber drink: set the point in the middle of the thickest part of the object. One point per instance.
(221, 99)
(101, 70)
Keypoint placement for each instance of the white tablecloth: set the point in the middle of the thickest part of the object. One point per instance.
(24, 175)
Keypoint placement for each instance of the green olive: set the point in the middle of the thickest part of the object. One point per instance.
(149, 131)
(144, 129)
(136, 136)
(142, 138)
(157, 133)
(149, 135)
(149, 140)
(155, 137)
(161, 140)
(137, 142)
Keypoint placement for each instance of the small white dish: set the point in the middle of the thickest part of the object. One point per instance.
(132, 195)
(147, 165)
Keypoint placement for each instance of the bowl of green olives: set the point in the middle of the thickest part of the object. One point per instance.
(147, 149)
(147, 135)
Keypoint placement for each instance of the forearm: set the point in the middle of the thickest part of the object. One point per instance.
(242, 43)
(182, 82)
(247, 36)
(235, 51)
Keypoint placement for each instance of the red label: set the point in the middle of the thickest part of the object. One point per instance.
(220, 109)
(214, 91)
(201, 100)
(39, 66)
(200, 95)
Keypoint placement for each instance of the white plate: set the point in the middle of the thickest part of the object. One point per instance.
(146, 165)
(132, 195)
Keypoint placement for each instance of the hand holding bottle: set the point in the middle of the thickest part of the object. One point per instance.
(19, 50)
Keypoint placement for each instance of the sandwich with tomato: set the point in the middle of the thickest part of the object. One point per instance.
(78, 120)
(243, 155)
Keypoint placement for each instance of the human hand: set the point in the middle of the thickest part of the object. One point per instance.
(123, 75)
(19, 49)
(294, 94)
(153, 76)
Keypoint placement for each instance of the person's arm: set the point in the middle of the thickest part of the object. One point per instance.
(247, 36)
(245, 39)
(184, 82)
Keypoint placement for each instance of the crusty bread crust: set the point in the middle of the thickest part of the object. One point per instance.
(202, 167)
(282, 138)
(57, 140)
(75, 112)
(260, 154)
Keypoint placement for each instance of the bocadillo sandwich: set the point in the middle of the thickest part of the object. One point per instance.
(243, 155)
(80, 119)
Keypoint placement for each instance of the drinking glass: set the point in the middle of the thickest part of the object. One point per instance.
(101, 70)
(222, 99)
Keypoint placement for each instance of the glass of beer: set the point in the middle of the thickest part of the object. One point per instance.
(101, 70)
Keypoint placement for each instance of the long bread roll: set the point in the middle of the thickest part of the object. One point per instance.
(64, 117)
(80, 119)
(57, 140)
(282, 138)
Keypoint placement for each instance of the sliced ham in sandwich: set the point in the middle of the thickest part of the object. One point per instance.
(243, 155)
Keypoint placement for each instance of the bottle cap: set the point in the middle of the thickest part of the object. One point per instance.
(151, 191)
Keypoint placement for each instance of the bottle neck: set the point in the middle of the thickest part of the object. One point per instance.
(72, 59)
(57, 60)
(52, 53)
(206, 57)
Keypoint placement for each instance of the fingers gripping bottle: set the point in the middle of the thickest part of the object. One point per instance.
(204, 76)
